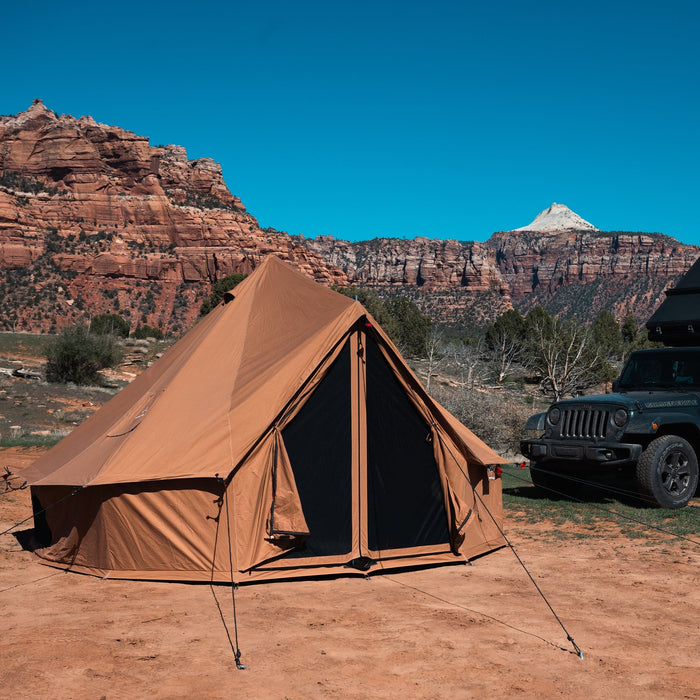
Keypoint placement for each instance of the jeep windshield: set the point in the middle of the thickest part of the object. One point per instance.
(662, 369)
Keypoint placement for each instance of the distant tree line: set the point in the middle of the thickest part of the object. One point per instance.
(398, 317)
(564, 356)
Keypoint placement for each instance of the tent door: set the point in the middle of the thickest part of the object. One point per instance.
(318, 441)
(405, 500)
(364, 466)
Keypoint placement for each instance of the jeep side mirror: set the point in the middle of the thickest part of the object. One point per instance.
(615, 385)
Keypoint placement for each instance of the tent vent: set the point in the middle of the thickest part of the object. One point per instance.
(228, 296)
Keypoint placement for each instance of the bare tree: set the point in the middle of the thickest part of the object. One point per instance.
(565, 356)
(505, 349)
(433, 352)
(467, 359)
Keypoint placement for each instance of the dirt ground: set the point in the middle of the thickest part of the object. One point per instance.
(631, 605)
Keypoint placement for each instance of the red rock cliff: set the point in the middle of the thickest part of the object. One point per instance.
(94, 219)
(568, 271)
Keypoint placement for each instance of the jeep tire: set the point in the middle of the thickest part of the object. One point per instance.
(668, 471)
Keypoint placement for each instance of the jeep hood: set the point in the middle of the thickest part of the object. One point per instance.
(644, 400)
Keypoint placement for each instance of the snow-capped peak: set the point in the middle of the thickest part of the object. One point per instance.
(558, 218)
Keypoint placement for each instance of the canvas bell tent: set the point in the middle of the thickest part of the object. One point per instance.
(283, 436)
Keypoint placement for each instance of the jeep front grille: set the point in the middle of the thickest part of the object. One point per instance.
(584, 423)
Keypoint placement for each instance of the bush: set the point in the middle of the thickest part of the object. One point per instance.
(218, 289)
(375, 305)
(145, 331)
(76, 355)
(109, 324)
(399, 318)
(495, 417)
(414, 328)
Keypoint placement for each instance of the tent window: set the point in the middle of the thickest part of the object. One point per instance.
(318, 443)
(405, 500)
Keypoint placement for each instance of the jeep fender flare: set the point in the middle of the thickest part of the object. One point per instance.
(675, 424)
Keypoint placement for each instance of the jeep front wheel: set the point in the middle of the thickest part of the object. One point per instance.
(668, 471)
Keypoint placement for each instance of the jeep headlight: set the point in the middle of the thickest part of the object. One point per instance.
(554, 415)
(620, 417)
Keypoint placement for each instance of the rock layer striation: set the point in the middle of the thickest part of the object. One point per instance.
(95, 219)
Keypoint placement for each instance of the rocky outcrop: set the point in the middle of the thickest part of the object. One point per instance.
(544, 261)
(455, 283)
(570, 272)
(90, 214)
(419, 262)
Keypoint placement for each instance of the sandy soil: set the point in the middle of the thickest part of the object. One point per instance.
(632, 605)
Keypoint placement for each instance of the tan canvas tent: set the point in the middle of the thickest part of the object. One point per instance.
(283, 436)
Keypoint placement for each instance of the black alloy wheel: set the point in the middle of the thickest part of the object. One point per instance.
(668, 471)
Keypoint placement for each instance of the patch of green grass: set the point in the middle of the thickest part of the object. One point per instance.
(33, 440)
(596, 508)
(23, 344)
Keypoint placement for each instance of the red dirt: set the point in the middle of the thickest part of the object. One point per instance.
(632, 605)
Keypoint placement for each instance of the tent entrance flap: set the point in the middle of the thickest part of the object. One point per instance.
(364, 465)
(405, 501)
(318, 444)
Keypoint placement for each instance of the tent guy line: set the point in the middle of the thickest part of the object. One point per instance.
(42, 510)
(471, 610)
(28, 583)
(529, 575)
(235, 649)
(237, 653)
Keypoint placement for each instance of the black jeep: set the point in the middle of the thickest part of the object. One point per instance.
(650, 425)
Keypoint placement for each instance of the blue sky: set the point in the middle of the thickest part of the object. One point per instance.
(365, 119)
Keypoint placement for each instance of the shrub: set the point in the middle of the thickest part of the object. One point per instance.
(399, 317)
(109, 324)
(76, 355)
(495, 417)
(376, 307)
(414, 328)
(145, 331)
(218, 289)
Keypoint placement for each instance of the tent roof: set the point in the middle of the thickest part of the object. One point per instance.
(200, 408)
